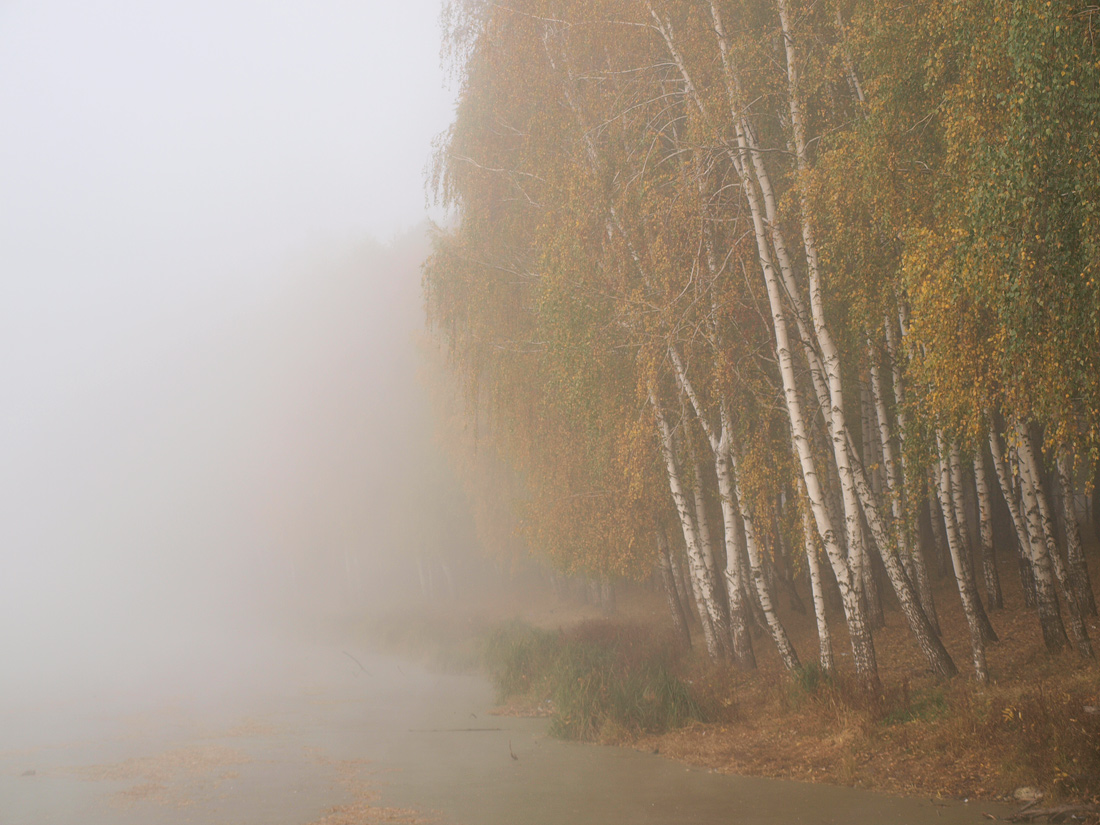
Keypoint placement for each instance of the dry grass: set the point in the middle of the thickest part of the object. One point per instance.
(1032, 726)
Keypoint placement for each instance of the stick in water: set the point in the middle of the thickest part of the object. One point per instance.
(357, 662)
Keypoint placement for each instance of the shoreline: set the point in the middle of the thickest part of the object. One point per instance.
(930, 739)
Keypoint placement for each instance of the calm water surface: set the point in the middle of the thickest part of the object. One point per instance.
(321, 734)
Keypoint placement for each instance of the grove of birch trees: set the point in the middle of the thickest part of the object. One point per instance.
(744, 292)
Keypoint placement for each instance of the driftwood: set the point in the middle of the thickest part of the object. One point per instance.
(1061, 813)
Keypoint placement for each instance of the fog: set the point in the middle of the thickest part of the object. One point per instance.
(212, 217)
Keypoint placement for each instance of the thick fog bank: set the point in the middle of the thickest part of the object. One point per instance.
(216, 476)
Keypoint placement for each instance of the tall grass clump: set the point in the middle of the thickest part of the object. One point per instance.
(518, 657)
(605, 681)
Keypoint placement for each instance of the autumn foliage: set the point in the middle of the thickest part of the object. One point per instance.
(775, 294)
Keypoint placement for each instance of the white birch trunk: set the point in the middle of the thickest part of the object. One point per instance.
(958, 501)
(830, 353)
(668, 579)
(701, 583)
(862, 647)
(869, 428)
(954, 544)
(905, 525)
(1075, 555)
(775, 627)
(892, 480)
(938, 658)
(702, 521)
(985, 525)
(1029, 529)
(1035, 496)
(735, 574)
(766, 226)
(740, 639)
(824, 639)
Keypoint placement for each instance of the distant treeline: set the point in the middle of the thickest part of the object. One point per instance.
(757, 289)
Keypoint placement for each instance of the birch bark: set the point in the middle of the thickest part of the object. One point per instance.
(954, 544)
(668, 580)
(775, 627)
(985, 525)
(1075, 556)
(825, 642)
(1035, 498)
(934, 651)
(862, 646)
(958, 502)
(906, 526)
(740, 640)
(1010, 492)
(1028, 530)
(701, 583)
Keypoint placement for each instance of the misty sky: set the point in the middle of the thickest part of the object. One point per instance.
(173, 176)
(153, 154)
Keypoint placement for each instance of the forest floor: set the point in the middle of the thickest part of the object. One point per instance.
(1032, 734)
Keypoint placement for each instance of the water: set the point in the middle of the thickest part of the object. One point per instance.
(298, 738)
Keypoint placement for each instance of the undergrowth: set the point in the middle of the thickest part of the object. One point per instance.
(1047, 738)
(1029, 735)
(604, 681)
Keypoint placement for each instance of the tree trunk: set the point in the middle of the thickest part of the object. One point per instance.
(706, 545)
(907, 536)
(939, 536)
(701, 583)
(954, 544)
(682, 581)
(1010, 492)
(930, 644)
(985, 524)
(668, 578)
(862, 647)
(1075, 555)
(1029, 531)
(872, 442)
(779, 634)
(702, 521)
(824, 638)
(958, 500)
(832, 399)
(738, 639)
(863, 651)
(1031, 483)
